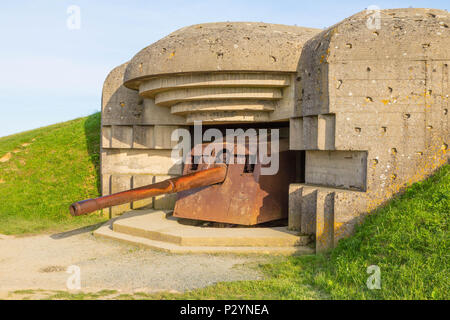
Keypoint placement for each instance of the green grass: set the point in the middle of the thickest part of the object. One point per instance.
(64, 295)
(59, 166)
(61, 295)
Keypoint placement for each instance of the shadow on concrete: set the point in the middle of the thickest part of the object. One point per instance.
(129, 214)
(92, 133)
(67, 234)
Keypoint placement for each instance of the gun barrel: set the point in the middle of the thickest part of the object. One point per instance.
(190, 181)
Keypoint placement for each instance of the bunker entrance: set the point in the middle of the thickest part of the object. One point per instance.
(255, 192)
(297, 158)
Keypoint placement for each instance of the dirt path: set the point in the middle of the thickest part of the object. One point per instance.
(40, 262)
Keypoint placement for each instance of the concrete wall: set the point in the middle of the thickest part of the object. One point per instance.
(136, 143)
(339, 169)
(383, 92)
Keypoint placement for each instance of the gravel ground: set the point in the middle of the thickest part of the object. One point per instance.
(40, 262)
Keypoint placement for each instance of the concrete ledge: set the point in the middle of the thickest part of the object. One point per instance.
(169, 98)
(154, 85)
(151, 229)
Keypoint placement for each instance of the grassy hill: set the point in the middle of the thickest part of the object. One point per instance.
(43, 171)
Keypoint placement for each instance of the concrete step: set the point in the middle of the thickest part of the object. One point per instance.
(157, 230)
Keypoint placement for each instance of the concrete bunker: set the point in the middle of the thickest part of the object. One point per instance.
(365, 111)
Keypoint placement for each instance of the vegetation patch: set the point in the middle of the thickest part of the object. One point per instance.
(45, 170)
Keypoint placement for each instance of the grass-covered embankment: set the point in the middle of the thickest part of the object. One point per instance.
(48, 169)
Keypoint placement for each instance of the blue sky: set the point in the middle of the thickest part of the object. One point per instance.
(51, 74)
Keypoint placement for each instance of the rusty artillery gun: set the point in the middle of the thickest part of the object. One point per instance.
(217, 190)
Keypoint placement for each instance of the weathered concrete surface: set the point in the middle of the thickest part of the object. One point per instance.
(339, 169)
(368, 106)
(122, 106)
(136, 142)
(384, 93)
(161, 231)
(221, 46)
(236, 64)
